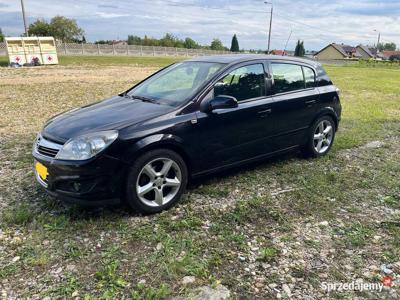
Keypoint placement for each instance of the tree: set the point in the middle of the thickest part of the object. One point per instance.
(61, 28)
(1, 36)
(39, 28)
(134, 40)
(190, 44)
(299, 51)
(64, 29)
(235, 44)
(216, 44)
(83, 39)
(387, 47)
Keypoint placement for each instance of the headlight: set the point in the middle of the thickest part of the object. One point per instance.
(87, 146)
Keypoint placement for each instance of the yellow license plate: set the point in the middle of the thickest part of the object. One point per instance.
(41, 170)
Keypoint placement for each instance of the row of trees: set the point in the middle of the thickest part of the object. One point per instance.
(387, 47)
(169, 40)
(1, 36)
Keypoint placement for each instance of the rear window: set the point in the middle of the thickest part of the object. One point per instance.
(322, 78)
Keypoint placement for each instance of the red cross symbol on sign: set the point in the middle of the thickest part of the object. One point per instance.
(18, 58)
(49, 58)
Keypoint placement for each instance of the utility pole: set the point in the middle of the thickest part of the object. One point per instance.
(24, 17)
(379, 40)
(270, 25)
(377, 45)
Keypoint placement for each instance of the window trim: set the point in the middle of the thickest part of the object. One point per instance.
(304, 75)
(203, 94)
(290, 63)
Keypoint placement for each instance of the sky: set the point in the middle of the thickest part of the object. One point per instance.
(317, 22)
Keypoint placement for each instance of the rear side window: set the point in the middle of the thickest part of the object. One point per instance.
(309, 77)
(287, 77)
(322, 78)
(243, 83)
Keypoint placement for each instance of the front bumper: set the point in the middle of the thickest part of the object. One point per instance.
(94, 182)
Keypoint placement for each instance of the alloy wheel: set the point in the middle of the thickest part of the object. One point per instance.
(158, 182)
(323, 136)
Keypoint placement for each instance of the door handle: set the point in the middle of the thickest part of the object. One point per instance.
(265, 112)
(311, 102)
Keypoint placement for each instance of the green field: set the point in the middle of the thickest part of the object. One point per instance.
(278, 228)
(145, 61)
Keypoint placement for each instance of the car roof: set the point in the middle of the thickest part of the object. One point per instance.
(238, 58)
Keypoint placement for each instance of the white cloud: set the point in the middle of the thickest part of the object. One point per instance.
(106, 15)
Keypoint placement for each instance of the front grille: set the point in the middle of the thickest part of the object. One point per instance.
(47, 151)
(46, 147)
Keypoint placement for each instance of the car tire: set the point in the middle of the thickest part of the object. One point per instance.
(320, 137)
(156, 181)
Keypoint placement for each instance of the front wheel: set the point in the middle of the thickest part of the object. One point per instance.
(156, 181)
(320, 137)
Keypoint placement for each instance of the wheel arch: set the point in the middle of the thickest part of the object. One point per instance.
(159, 141)
(327, 111)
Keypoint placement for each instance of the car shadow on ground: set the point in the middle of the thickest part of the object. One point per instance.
(235, 171)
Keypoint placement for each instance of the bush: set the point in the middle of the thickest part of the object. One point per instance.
(395, 57)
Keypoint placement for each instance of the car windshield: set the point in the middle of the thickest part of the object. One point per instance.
(176, 84)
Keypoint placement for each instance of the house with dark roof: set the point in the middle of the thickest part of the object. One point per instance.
(338, 51)
(367, 52)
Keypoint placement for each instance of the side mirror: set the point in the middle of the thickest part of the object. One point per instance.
(219, 102)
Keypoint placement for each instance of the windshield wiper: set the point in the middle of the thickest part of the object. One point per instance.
(144, 99)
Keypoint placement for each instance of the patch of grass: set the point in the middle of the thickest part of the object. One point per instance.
(267, 254)
(7, 270)
(141, 292)
(358, 235)
(69, 288)
(109, 280)
(211, 191)
(21, 214)
(392, 201)
(3, 61)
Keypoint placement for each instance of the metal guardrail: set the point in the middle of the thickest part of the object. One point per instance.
(133, 50)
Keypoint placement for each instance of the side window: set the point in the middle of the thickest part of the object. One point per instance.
(309, 77)
(243, 83)
(287, 77)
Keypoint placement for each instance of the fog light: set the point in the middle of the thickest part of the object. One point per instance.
(77, 186)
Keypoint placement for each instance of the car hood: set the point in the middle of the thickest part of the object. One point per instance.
(113, 113)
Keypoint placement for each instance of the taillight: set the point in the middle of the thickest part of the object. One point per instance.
(338, 91)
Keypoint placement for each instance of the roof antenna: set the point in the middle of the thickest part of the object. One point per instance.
(290, 35)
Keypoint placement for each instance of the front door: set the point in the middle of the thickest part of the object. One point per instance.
(227, 136)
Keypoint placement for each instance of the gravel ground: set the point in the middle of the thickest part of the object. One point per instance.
(285, 228)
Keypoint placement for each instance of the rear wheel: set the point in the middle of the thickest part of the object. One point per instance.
(156, 181)
(321, 137)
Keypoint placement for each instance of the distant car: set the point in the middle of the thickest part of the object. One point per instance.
(189, 119)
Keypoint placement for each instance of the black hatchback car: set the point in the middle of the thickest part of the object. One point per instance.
(188, 119)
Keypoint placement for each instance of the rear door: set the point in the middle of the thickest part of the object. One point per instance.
(295, 98)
